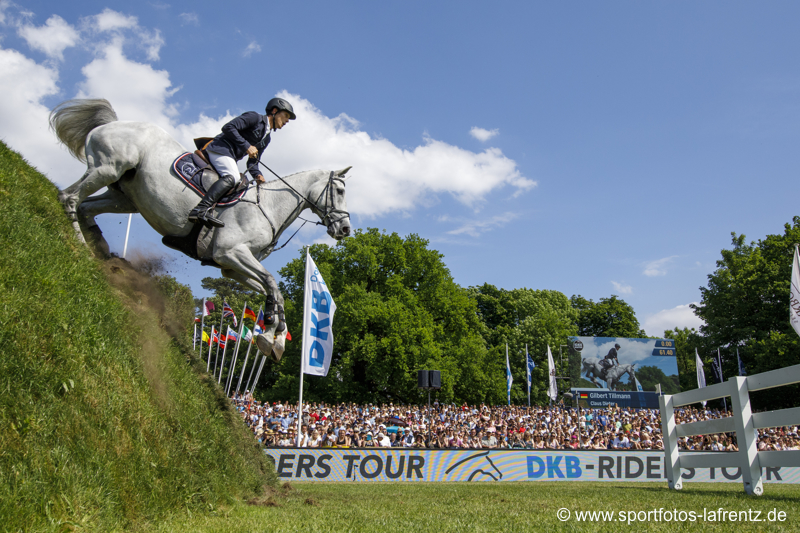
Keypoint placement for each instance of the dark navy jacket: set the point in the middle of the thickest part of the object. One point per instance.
(248, 129)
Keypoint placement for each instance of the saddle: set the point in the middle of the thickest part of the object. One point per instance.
(194, 169)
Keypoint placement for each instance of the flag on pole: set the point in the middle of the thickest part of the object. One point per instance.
(214, 336)
(249, 313)
(701, 376)
(227, 312)
(529, 367)
(716, 368)
(231, 335)
(742, 370)
(638, 385)
(509, 377)
(197, 319)
(206, 338)
(794, 294)
(247, 335)
(207, 307)
(318, 310)
(260, 327)
(552, 389)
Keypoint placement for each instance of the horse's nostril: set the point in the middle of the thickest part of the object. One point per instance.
(346, 230)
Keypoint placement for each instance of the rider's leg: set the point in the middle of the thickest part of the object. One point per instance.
(229, 172)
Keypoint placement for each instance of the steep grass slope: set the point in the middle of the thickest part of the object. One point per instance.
(106, 420)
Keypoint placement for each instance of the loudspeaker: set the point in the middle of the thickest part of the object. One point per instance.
(422, 379)
(435, 379)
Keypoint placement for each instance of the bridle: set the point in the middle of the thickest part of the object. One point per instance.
(326, 215)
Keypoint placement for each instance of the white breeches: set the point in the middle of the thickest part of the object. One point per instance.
(224, 165)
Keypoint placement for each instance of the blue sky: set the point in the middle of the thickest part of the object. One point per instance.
(591, 148)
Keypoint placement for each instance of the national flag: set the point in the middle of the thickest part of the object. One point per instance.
(701, 376)
(509, 377)
(552, 388)
(231, 336)
(227, 312)
(214, 337)
(318, 311)
(794, 293)
(206, 338)
(247, 335)
(260, 327)
(197, 319)
(742, 370)
(207, 307)
(249, 313)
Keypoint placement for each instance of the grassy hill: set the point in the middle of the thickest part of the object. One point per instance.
(106, 419)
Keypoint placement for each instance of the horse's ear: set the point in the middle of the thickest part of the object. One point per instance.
(341, 173)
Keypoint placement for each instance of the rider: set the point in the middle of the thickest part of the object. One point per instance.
(247, 134)
(611, 359)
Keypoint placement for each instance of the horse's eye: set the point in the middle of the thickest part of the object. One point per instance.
(339, 191)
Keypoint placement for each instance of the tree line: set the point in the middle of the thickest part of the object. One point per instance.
(399, 310)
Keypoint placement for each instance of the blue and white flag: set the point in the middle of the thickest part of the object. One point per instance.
(638, 385)
(552, 387)
(318, 310)
(529, 367)
(509, 378)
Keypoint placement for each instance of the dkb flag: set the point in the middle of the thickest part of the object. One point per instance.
(318, 310)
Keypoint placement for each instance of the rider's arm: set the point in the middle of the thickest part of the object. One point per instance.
(232, 130)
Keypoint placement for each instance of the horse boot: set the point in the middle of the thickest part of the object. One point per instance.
(202, 213)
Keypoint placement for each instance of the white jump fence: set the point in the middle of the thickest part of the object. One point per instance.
(743, 422)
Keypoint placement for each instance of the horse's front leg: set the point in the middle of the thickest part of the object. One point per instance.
(240, 264)
(111, 201)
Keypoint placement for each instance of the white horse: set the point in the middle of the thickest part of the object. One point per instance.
(134, 160)
(592, 369)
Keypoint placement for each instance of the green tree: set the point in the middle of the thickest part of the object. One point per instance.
(610, 317)
(746, 303)
(398, 311)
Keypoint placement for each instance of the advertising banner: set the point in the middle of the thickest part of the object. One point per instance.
(600, 399)
(615, 363)
(393, 464)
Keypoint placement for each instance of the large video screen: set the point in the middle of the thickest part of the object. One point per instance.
(614, 362)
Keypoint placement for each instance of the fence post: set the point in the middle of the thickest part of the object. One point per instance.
(746, 437)
(669, 433)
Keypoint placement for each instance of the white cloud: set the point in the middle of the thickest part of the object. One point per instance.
(52, 38)
(252, 47)
(190, 19)
(681, 317)
(658, 267)
(482, 134)
(622, 289)
(110, 20)
(385, 177)
(475, 228)
(24, 119)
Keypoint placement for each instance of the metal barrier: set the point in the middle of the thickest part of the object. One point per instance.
(743, 422)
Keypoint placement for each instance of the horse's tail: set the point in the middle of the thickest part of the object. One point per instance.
(74, 119)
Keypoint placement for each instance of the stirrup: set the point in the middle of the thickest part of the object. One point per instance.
(204, 217)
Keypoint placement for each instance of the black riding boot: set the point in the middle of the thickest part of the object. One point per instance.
(202, 213)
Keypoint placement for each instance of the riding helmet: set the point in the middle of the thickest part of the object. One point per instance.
(282, 105)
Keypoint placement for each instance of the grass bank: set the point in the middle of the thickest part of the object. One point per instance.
(494, 507)
(106, 420)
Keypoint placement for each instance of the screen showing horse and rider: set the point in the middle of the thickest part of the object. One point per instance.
(622, 364)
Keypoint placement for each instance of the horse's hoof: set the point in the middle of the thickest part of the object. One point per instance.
(279, 347)
(275, 356)
(264, 344)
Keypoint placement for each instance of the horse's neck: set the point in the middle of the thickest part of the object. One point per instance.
(286, 203)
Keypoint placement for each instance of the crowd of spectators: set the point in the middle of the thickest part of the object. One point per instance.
(450, 426)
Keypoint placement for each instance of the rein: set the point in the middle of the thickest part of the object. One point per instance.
(325, 214)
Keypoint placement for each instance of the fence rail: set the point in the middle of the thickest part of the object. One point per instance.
(743, 422)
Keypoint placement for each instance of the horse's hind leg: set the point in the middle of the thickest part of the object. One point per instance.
(111, 201)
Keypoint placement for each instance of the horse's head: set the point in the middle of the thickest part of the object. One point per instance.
(331, 204)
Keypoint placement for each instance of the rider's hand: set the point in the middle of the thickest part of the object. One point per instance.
(252, 151)
(260, 179)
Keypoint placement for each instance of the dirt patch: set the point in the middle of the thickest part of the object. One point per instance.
(287, 487)
(312, 502)
(263, 502)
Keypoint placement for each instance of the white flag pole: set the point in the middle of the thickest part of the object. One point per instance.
(225, 349)
(127, 234)
(202, 325)
(235, 353)
(258, 374)
(210, 344)
(252, 371)
(194, 338)
(244, 366)
(302, 351)
(219, 332)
